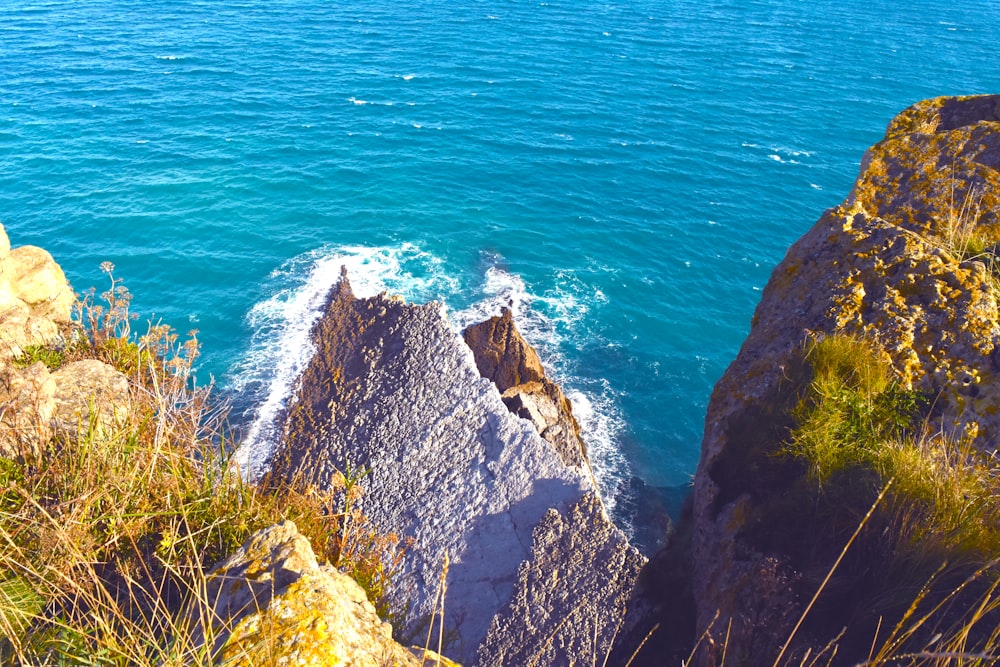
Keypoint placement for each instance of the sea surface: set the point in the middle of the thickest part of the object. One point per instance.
(624, 175)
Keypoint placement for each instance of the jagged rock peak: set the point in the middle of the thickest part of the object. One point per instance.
(502, 354)
(393, 389)
(505, 357)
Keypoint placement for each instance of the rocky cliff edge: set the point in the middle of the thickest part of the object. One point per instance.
(908, 261)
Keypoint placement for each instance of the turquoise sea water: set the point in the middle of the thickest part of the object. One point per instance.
(625, 174)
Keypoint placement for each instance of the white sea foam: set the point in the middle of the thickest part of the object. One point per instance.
(549, 320)
(357, 101)
(281, 345)
(408, 77)
(601, 425)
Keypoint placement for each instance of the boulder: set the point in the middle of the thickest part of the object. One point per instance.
(88, 392)
(27, 405)
(4, 244)
(273, 603)
(41, 283)
(906, 260)
(36, 301)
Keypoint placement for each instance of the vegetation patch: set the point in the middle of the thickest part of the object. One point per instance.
(52, 358)
(104, 538)
(924, 568)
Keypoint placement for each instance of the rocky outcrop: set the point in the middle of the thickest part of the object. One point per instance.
(503, 356)
(36, 305)
(393, 390)
(89, 394)
(35, 299)
(35, 404)
(273, 603)
(907, 260)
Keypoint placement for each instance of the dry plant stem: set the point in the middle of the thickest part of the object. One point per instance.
(641, 644)
(444, 591)
(554, 633)
(878, 628)
(438, 604)
(704, 635)
(725, 644)
(836, 564)
(607, 655)
(831, 646)
(899, 635)
(593, 653)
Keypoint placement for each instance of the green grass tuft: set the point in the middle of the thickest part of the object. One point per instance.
(852, 408)
(52, 358)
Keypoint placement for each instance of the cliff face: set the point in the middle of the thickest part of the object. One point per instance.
(392, 389)
(909, 261)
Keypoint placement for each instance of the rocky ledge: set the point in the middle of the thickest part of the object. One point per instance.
(535, 569)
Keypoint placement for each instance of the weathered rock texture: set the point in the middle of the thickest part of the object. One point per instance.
(393, 389)
(274, 604)
(36, 404)
(886, 264)
(35, 299)
(566, 548)
(503, 356)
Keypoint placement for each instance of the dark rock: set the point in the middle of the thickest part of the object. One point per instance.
(878, 267)
(648, 509)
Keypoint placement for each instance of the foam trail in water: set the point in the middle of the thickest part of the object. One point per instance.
(281, 346)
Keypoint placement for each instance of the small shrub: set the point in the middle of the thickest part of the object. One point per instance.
(855, 417)
(925, 562)
(52, 358)
(852, 407)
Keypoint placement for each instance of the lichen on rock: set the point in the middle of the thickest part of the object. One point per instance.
(273, 603)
